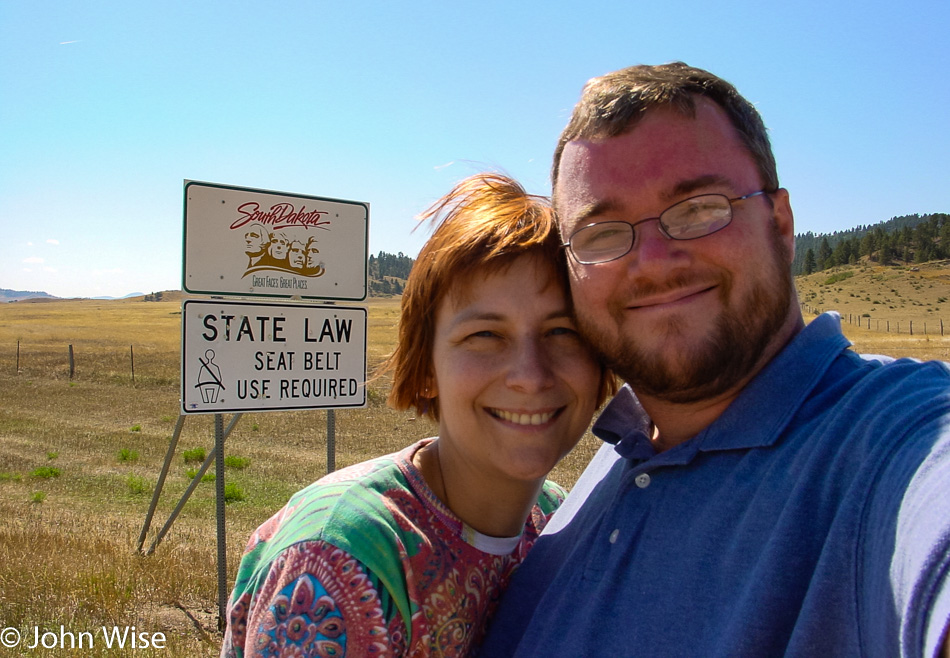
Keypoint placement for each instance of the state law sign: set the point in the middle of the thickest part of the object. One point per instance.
(260, 243)
(247, 356)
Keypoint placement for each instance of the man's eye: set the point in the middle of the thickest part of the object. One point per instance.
(594, 237)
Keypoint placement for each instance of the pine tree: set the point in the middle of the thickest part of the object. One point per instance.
(810, 266)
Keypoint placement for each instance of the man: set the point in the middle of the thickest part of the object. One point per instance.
(296, 255)
(763, 490)
(314, 267)
(277, 250)
(255, 243)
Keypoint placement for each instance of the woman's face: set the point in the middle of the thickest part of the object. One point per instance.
(516, 385)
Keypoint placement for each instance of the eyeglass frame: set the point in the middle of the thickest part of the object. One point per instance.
(663, 230)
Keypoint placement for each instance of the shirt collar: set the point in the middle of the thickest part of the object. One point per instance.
(757, 417)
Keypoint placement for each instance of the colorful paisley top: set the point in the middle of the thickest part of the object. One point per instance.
(368, 562)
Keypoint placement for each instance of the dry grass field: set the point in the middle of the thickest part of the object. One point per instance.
(79, 457)
(79, 460)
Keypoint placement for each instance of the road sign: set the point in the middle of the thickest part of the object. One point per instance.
(254, 356)
(242, 241)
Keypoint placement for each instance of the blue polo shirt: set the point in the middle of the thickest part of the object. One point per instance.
(812, 518)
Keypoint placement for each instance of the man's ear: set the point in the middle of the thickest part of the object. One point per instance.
(784, 219)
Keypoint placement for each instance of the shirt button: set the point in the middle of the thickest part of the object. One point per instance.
(613, 536)
(642, 480)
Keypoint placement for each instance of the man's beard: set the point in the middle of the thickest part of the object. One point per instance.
(715, 363)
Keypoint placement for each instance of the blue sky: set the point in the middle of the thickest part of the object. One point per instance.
(106, 107)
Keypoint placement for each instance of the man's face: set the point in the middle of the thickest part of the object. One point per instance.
(682, 321)
(254, 241)
(313, 255)
(278, 246)
(295, 255)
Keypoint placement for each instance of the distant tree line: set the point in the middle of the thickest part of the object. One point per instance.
(909, 239)
(388, 273)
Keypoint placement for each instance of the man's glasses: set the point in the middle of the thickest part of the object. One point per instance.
(689, 219)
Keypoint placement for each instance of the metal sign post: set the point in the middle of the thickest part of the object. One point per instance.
(219, 514)
(195, 481)
(240, 356)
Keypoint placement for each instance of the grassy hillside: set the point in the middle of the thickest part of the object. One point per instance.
(880, 306)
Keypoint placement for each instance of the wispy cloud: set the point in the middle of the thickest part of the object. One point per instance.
(52, 241)
(444, 166)
(66, 43)
(33, 260)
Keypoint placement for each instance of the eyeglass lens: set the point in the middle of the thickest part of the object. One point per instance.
(686, 220)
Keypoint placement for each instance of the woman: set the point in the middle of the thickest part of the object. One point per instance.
(407, 554)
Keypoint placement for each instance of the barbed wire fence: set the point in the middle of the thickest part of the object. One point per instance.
(909, 327)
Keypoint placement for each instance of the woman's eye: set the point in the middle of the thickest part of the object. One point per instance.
(563, 331)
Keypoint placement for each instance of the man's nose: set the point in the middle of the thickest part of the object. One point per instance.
(653, 251)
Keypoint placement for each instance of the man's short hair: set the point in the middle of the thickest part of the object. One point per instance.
(482, 225)
(612, 104)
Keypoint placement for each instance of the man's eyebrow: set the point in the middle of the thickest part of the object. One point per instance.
(693, 184)
(591, 210)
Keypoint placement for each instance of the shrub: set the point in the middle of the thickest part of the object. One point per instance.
(137, 484)
(46, 472)
(233, 493)
(192, 472)
(135, 428)
(194, 455)
(52, 455)
(126, 455)
(38, 497)
(237, 463)
(839, 276)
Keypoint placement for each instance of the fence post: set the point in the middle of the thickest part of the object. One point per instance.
(911, 327)
(72, 363)
(18, 357)
(132, 358)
